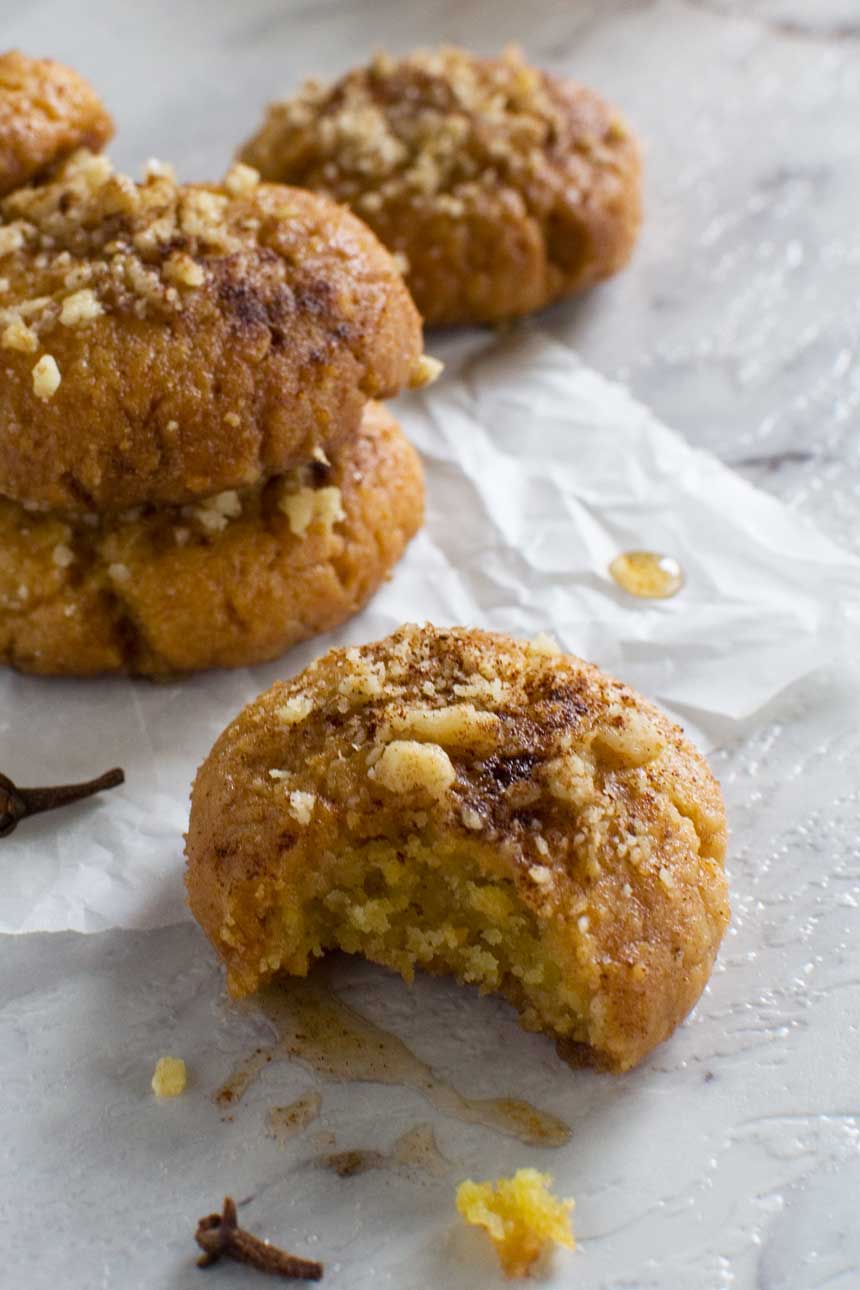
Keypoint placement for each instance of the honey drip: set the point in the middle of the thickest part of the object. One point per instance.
(647, 574)
(315, 1027)
(285, 1122)
(416, 1149)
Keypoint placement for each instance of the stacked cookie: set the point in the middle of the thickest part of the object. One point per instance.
(193, 468)
(502, 186)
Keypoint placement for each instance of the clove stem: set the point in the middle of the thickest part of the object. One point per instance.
(220, 1236)
(17, 804)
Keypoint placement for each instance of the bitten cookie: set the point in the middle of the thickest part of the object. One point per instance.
(163, 342)
(233, 580)
(503, 187)
(469, 804)
(46, 112)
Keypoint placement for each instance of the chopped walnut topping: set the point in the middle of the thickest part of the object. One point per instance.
(216, 512)
(62, 555)
(543, 643)
(241, 180)
(459, 725)
(46, 378)
(301, 806)
(17, 335)
(471, 818)
(182, 269)
(294, 711)
(406, 766)
(83, 306)
(155, 169)
(307, 506)
(11, 239)
(426, 371)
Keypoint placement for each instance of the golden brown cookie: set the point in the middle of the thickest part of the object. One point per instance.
(46, 112)
(503, 187)
(233, 580)
(469, 804)
(162, 342)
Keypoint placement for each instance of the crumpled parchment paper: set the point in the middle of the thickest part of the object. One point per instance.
(539, 472)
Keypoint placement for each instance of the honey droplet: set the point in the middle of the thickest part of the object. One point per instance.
(647, 574)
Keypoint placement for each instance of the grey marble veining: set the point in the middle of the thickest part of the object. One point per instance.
(731, 1160)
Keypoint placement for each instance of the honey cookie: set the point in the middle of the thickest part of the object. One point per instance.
(465, 803)
(47, 111)
(502, 186)
(233, 580)
(163, 342)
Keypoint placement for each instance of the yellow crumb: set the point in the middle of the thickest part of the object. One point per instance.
(520, 1215)
(170, 1077)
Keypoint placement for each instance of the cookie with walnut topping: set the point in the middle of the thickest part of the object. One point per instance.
(502, 186)
(162, 342)
(47, 111)
(232, 580)
(466, 803)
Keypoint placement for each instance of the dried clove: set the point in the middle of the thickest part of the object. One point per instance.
(17, 803)
(220, 1236)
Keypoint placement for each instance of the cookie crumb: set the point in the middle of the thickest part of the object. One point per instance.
(520, 1215)
(170, 1077)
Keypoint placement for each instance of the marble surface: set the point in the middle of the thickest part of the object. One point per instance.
(732, 1158)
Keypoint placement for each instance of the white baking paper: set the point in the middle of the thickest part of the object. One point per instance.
(539, 472)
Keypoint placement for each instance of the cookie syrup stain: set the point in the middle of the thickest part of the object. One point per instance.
(317, 1028)
(285, 1122)
(416, 1149)
(647, 574)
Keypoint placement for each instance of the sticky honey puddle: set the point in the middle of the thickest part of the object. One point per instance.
(285, 1122)
(318, 1029)
(416, 1149)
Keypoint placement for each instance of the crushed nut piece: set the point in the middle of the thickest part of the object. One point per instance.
(17, 335)
(302, 806)
(308, 506)
(46, 378)
(62, 555)
(241, 180)
(425, 372)
(83, 306)
(185, 271)
(406, 766)
(295, 710)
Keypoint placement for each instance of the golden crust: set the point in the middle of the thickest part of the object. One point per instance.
(504, 187)
(232, 581)
(195, 338)
(573, 840)
(47, 111)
